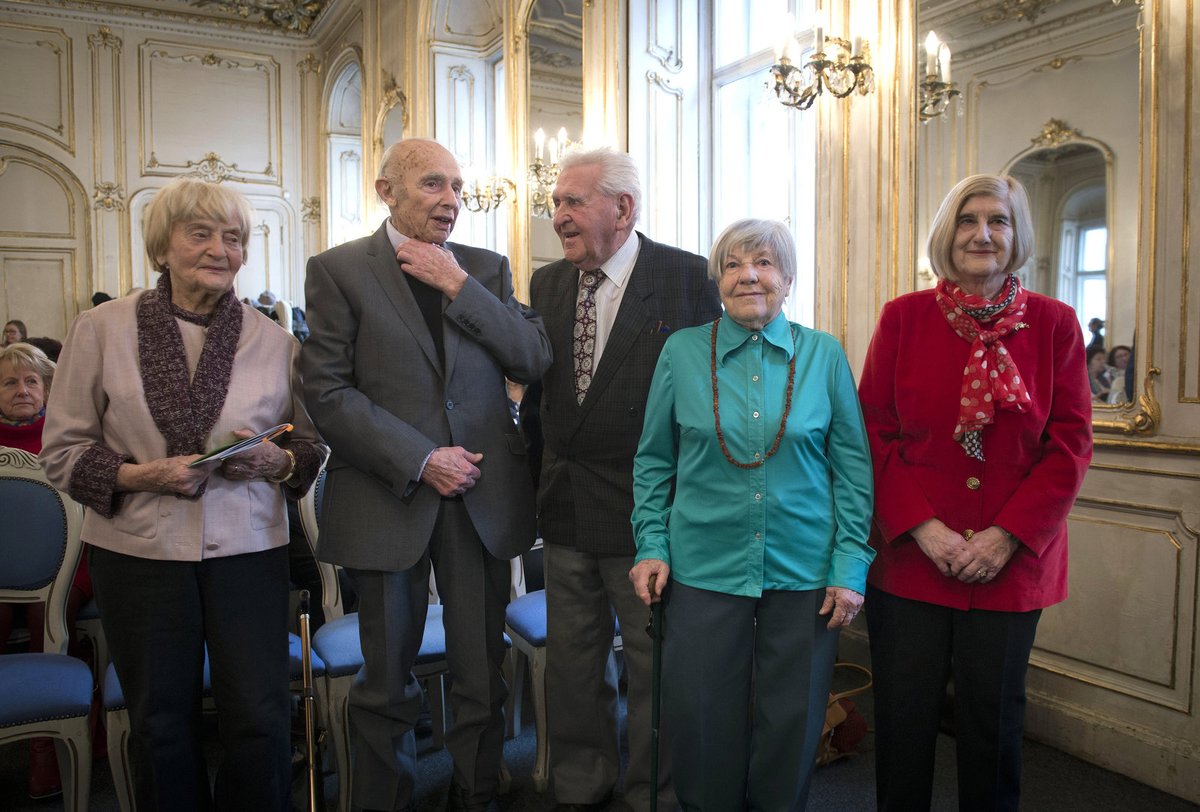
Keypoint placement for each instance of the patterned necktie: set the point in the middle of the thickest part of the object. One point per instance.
(585, 331)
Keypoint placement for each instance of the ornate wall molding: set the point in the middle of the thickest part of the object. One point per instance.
(310, 210)
(108, 196)
(285, 15)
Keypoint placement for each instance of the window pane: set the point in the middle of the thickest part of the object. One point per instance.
(741, 27)
(752, 153)
(1093, 254)
(1093, 300)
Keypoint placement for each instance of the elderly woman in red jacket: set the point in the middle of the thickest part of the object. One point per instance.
(977, 406)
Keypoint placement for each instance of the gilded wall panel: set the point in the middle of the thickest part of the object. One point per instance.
(37, 286)
(36, 95)
(45, 203)
(210, 113)
(1132, 579)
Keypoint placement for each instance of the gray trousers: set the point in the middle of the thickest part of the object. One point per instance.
(745, 686)
(385, 698)
(582, 592)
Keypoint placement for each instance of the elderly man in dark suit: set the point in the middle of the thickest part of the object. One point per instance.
(412, 338)
(609, 307)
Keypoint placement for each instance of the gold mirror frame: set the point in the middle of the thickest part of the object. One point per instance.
(1141, 417)
(1142, 414)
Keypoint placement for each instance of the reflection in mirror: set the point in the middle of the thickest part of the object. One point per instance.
(1068, 199)
(555, 53)
(1033, 77)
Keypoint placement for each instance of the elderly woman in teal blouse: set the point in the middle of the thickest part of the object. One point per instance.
(752, 489)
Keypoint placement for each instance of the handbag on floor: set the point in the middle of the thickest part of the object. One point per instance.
(845, 726)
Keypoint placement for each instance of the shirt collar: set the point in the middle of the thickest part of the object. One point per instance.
(620, 264)
(394, 235)
(778, 333)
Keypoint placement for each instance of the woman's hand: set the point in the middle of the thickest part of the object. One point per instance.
(264, 460)
(984, 556)
(166, 475)
(941, 544)
(844, 605)
(641, 574)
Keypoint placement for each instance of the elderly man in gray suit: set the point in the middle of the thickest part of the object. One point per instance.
(412, 339)
(609, 307)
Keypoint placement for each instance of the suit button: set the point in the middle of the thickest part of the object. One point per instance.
(973, 483)
(450, 405)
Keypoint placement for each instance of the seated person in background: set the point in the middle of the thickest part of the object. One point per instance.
(14, 331)
(1098, 375)
(1118, 365)
(25, 376)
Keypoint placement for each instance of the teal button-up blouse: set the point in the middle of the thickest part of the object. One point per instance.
(798, 522)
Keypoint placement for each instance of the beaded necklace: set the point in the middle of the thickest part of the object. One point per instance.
(787, 406)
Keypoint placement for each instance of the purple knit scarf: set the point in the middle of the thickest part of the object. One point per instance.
(184, 410)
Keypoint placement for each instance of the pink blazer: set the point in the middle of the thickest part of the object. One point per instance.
(1035, 461)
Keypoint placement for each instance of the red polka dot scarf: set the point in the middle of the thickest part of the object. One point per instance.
(991, 378)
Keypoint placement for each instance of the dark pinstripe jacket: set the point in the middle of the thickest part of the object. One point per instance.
(585, 495)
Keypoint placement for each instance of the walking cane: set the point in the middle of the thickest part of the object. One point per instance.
(316, 788)
(655, 629)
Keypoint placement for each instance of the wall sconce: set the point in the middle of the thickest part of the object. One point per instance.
(484, 193)
(936, 90)
(543, 172)
(838, 66)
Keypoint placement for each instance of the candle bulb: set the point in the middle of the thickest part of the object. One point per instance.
(819, 39)
(539, 143)
(944, 62)
(931, 50)
(562, 139)
(552, 147)
(858, 49)
(787, 25)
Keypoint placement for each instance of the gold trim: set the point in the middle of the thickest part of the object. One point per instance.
(1185, 214)
(108, 196)
(1143, 416)
(66, 90)
(391, 98)
(151, 50)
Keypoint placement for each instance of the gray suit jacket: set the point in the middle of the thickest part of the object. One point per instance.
(585, 496)
(378, 395)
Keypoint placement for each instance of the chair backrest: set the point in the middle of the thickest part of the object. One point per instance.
(310, 523)
(39, 541)
(527, 572)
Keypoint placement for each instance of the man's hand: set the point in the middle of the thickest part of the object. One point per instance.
(641, 574)
(451, 470)
(433, 265)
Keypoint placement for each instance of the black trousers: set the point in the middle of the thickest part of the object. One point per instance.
(915, 648)
(158, 616)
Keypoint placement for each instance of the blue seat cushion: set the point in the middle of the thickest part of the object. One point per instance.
(38, 687)
(337, 643)
(114, 695)
(527, 617)
(295, 657)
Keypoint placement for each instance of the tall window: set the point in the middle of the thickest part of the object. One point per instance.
(344, 159)
(1083, 254)
(763, 154)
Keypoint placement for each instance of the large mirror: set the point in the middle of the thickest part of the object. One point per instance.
(1050, 93)
(555, 68)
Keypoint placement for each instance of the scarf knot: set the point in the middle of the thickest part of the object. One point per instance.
(991, 379)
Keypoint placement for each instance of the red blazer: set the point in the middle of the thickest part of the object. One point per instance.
(1035, 463)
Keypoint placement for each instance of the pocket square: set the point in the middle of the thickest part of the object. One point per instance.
(662, 328)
